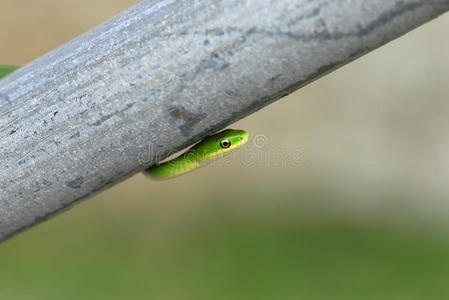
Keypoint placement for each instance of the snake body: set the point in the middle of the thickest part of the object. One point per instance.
(5, 70)
(209, 148)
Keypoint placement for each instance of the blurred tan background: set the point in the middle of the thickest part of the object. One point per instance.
(362, 215)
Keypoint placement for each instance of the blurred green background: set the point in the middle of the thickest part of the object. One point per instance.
(362, 216)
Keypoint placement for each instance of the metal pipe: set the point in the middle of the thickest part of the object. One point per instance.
(159, 77)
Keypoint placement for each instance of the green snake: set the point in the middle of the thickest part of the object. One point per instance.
(5, 70)
(209, 148)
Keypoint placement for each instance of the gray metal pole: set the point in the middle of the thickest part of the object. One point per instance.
(159, 77)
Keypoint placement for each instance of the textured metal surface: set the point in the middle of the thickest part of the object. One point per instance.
(159, 77)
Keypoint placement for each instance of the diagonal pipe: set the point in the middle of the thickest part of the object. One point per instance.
(159, 77)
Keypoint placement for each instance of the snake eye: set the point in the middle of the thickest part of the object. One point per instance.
(225, 144)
